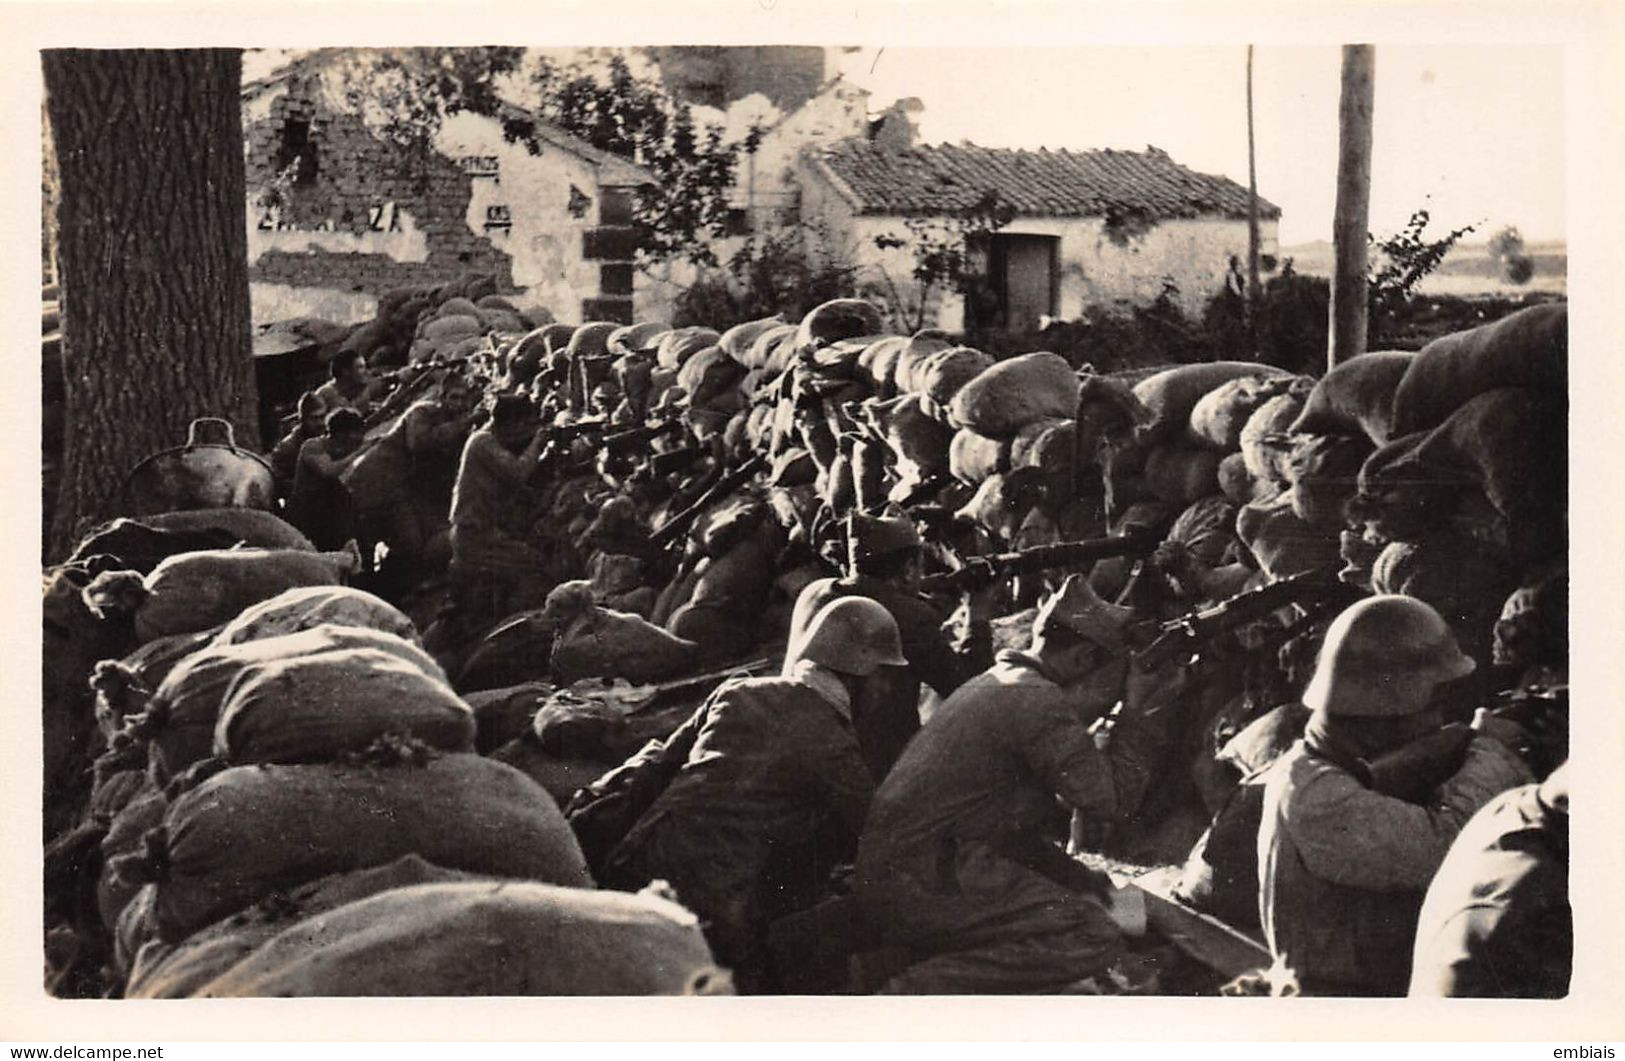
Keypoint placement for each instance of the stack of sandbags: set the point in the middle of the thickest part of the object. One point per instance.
(1021, 405)
(1478, 454)
(249, 831)
(453, 322)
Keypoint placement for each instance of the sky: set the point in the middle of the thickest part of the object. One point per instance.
(1475, 133)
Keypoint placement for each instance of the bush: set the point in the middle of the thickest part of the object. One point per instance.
(782, 273)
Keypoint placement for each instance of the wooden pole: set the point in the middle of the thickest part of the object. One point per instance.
(1252, 216)
(1350, 222)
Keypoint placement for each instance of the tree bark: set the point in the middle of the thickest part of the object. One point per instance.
(154, 259)
(1351, 219)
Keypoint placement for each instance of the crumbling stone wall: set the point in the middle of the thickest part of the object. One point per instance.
(347, 179)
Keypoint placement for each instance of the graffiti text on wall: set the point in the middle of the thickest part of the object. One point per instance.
(381, 217)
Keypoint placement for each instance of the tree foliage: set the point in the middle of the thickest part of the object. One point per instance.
(409, 92)
(1405, 258)
(944, 251)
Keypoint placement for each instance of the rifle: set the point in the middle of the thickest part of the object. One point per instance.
(982, 570)
(1163, 642)
(676, 525)
(1412, 772)
(637, 436)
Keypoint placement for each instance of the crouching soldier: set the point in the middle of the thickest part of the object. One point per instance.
(1354, 824)
(960, 860)
(760, 793)
(884, 565)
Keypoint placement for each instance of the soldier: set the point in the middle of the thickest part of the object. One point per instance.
(1342, 866)
(491, 508)
(766, 789)
(960, 859)
(884, 564)
(1496, 922)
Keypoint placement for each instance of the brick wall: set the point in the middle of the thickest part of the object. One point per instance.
(355, 174)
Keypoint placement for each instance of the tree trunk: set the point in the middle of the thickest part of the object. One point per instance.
(1252, 217)
(1351, 219)
(154, 258)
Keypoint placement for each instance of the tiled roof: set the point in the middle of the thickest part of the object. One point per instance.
(945, 179)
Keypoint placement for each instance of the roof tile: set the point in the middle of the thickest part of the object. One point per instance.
(945, 179)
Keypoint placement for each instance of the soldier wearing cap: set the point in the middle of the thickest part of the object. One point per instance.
(884, 565)
(960, 860)
(767, 788)
(1343, 867)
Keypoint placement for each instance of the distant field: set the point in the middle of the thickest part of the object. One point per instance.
(1467, 270)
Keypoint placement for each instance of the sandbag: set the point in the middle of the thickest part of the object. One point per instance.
(590, 340)
(195, 591)
(513, 938)
(1324, 471)
(1180, 474)
(319, 707)
(1356, 397)
(1281, 542)
(919, 444)
(163, 970)
(308, 606)
(869, 475)
(453, 327)
(253, 527)
(458, 811)
(839, 359)
(1207, 527)
(877, 364)
(945, 373)
(1015, 392)
(999, 505)
(761, 349)
(1265, 456)
(1465, 581)
(707, 375)
(181, 716)
(125, 835)
(498, 320)
(793, 467)
(1397, 499)
(1235, 482)
(908, 377)
(1528, 349)
(1045, 444)
(636, 339)
(1511, 443)
(457, 307)
(680, 344)
(972, 457)
(837, 319)
(737, 341)
(1169, 396)
(1218, 416)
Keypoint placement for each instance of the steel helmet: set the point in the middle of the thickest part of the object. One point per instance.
(851, 635)
(1383, 656)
